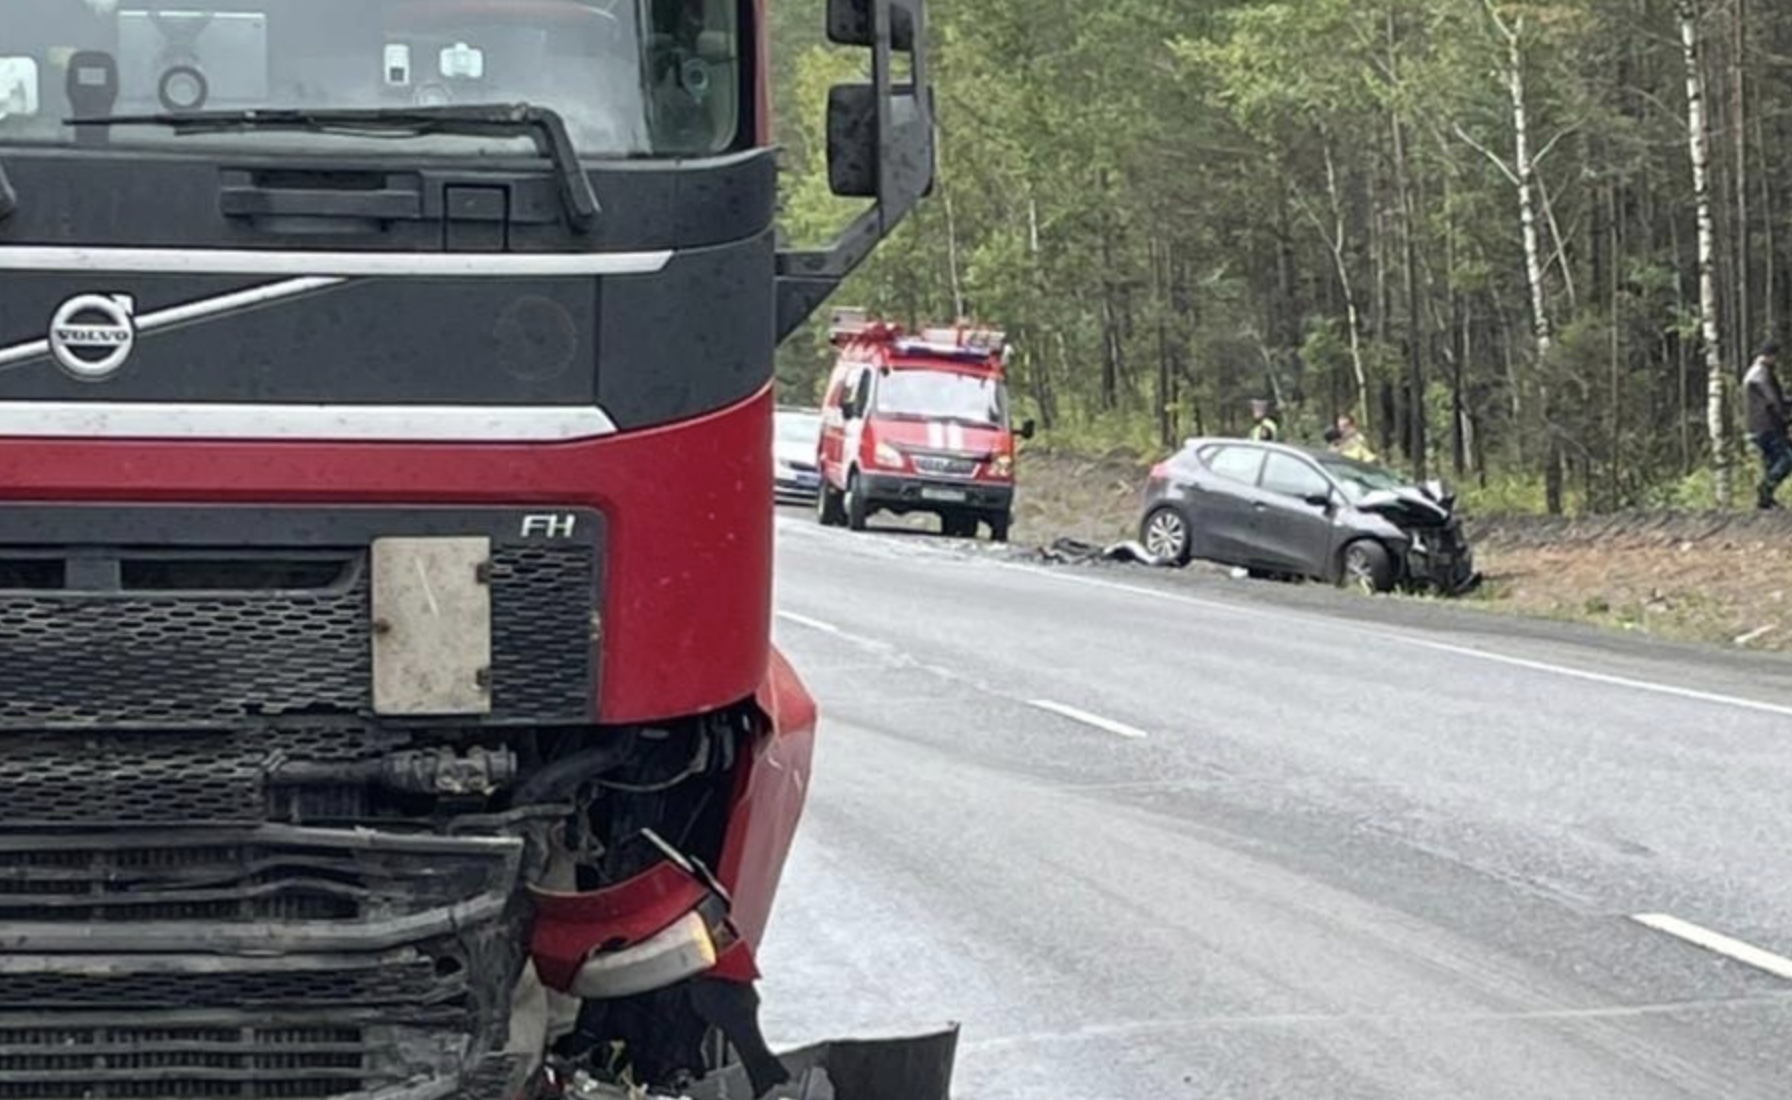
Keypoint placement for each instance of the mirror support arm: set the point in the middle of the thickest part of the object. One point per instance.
(806, 278)
(9, 198)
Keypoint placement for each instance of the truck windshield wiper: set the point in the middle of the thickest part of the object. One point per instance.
(9, 198)
(545, 126)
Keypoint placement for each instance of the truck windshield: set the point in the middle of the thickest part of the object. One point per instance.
(630, 77)
(943, 395)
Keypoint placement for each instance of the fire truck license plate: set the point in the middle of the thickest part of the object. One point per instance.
(952, 496)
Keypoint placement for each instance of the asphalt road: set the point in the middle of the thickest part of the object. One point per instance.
(1149, 835)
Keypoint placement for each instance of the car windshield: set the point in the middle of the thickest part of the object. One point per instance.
(798, 427)
(943, 395)
(631, 77)
(1359, 479)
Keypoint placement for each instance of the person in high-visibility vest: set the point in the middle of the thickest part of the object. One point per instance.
(1350, 442)
(1264, 428)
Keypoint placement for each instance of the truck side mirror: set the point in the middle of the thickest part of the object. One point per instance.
(853, 23)
(880, 147)
(1027, 429)
(852, 141)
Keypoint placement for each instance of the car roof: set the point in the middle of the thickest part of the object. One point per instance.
(1313, 453)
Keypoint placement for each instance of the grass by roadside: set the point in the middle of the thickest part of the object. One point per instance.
(1723, 579)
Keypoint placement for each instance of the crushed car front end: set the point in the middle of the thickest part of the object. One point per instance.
(1427, 535)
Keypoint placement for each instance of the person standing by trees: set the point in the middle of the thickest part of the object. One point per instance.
(1264, 428)
(1351, 443)
(1767, 420)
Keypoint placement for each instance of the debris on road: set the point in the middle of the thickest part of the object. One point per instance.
(1070, 551)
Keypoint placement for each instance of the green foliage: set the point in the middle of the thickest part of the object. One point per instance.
(1177, 204)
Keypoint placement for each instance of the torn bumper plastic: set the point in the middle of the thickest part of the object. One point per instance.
(915, 1068)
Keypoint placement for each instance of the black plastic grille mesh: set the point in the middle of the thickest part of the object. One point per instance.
(91, 659)
(408, 983)
(92, 879)
(51, 1063)
(158, 776)
(544, 601)
(76, 659)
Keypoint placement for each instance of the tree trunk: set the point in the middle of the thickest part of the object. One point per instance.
(952, 265)
(1039, 361)
(1524, 173)
(1340, 261)
(1745, 303)
(1717, 391)
(1110, 313)
(1415, 441)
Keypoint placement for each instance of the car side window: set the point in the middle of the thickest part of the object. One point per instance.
(1238, 464)
(1294, 477)
(861, 400)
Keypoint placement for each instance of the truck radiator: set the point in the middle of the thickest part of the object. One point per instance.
(258, 963)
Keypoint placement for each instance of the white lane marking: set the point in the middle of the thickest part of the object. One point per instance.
(812, 624)
(1747, 954)
(1607, 679)
(1119, 729)
(1283, 1021)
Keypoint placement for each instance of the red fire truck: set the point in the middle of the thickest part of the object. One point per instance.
(918, 422)
(387, 708)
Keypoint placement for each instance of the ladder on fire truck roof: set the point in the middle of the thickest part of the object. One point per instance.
(979, 341)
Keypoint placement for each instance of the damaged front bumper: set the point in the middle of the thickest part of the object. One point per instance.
(917, 1068)
(1441, 561)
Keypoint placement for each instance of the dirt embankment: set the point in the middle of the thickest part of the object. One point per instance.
(1723, 578)
(1710, 578)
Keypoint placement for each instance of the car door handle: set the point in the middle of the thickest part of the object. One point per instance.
(1260, 507)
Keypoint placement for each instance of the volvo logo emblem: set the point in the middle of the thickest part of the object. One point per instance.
(92, 335)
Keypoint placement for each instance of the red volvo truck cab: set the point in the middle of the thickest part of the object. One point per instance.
(387, 708)
(918, 423)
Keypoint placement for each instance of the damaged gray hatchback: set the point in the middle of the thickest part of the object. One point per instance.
(1282, 511)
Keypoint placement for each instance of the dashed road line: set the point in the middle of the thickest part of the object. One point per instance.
(1119, 729)
(1729, 947)
(812, 624)
(1549, 668)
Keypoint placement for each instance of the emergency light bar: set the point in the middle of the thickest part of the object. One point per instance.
(848, 322)
(961, 342)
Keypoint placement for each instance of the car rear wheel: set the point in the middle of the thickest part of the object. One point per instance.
(1166, 536)
(1367, 567)
(856, 511)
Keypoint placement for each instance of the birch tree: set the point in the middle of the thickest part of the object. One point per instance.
(1717, 391)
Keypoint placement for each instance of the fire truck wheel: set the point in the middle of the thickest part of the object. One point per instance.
(955, 526)
(998, 527)
(827, 507)
(856, 512)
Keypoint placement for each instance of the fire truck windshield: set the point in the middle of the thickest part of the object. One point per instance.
(943, 395)
(630, 77)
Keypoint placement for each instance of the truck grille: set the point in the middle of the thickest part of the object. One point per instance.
(152, 1063)
(944, 465)
(166, 658)
(161, 659)
(261, 963)
(171, 777)
(229, 877)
